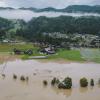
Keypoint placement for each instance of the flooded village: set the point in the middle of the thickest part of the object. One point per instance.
(49, 49)
(35, 77)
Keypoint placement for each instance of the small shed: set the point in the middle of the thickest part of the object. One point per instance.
(18, 52)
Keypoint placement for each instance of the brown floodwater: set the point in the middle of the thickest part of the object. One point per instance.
(11, 89)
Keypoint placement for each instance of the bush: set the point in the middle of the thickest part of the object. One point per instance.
(57, 81)
(92, 82)
(66, 84)
(22, 78)
(3, 75)
(14, 76)
(54, 81)
(45, 82)
(61, 85)
(83, 82)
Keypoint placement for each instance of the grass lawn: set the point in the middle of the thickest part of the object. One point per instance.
(10, 47)
(71, 55)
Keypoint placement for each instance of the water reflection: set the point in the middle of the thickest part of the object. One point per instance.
(98, 85)
(23, 83)
(83, 89)
(65, 92)
(92, 87)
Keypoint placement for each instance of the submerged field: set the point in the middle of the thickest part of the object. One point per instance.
(15, 89)
(78, 55)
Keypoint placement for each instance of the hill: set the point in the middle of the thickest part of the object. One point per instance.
(69, 9)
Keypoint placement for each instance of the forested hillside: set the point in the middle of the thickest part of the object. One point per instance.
(5, 25)
(39, 25)
(62, 24)
(8, 27)
(69, 9)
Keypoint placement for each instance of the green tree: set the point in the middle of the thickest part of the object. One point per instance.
(83, 82)
(92, 82)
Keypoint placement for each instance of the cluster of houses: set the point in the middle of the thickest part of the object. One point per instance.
(56, 35)
(48, 50)
(9, 41)
(81, 40)
(44, 50)
(20, 52)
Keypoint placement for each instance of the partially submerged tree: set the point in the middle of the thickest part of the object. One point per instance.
(92, 82)
(83, 82)
(54, 81)
(3, 75)
(14, 76)
(66, 83)
(45, 82)
(22, 78)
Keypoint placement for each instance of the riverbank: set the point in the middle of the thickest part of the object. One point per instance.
(5, 57)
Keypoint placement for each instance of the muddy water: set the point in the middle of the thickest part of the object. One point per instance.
(11, 89)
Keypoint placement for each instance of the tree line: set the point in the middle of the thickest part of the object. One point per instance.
(34, 29)
(63, 24)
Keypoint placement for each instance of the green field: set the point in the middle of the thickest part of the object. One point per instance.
(91, 55)
(10, 47)
(71, 55)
